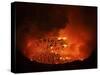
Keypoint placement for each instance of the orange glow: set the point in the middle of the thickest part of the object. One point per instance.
(68, 47)
(73, 42)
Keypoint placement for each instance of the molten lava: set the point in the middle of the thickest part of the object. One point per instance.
(75, 41)
(67, 46)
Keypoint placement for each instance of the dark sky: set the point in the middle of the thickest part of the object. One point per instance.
(48, 17)
(45, 17)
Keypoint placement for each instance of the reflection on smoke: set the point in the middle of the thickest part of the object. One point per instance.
(57, 42)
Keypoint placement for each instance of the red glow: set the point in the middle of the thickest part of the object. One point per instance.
(75, 47)
(74, 42)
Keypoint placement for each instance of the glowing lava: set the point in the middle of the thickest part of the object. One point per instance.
(59, 49)
(58, 44)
